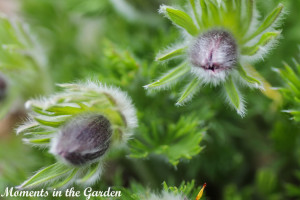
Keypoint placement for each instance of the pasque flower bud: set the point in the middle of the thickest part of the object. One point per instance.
(220, 39)
(213, 55)
(82, 140)
(81, 125)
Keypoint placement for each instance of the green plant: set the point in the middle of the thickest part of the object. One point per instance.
(185, 191)
(220, 39)
(291, 95)
(22, 63)
(177, 141)
(80, 125)
(291, 92)
(254, 157)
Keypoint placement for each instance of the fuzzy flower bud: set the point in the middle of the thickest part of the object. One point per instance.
(213, 55)
(81, 126)
(84, 139)
(221, 39)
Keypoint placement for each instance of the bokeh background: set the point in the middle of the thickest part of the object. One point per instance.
(115, 41)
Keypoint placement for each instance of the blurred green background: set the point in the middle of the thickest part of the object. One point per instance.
(256, 157)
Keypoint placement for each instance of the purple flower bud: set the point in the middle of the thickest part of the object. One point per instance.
(213, 53)
(84, 139)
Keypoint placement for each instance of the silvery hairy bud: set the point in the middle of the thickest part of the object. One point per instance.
(213, 55)
(83, 125)
(220, 42)
(83, 139)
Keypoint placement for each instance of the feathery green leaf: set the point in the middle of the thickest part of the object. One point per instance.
(170, 77)
(181, 19)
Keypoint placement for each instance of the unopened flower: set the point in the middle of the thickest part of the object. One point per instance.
(220, 40)
(213, 56)
(83, 140)
(80, 125)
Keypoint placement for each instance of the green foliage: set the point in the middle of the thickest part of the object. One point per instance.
(291, 189)
(234, 96)
(255, 157)
(264, 40)
(249, 79)
(187, 189)
(171, 54)
(22, 62)
(50, 173)
(291, 95)
(180, 140)
(170, 77)
(268, 21)
(266, 182)
(189, 91)
(292, 90)
(180, 18)
(121, 62)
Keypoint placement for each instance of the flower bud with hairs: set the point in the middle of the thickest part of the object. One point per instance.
(80, 126)
(219, 41)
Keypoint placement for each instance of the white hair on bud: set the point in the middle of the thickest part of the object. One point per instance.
(77, 91)
(172, 82)
(263, 51)
(42, 102)
(42, 184)
(83, 140)
(123, 103)
(88, 93)
(166, 196)
(170, 49)
(254, 23)
(241, 110)
(248, 84)
(23, 127)
(209, 77)
(94, 178)
(76, 176)
(190, 96)
(40, 146)
(162, 10)
(213, 56)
